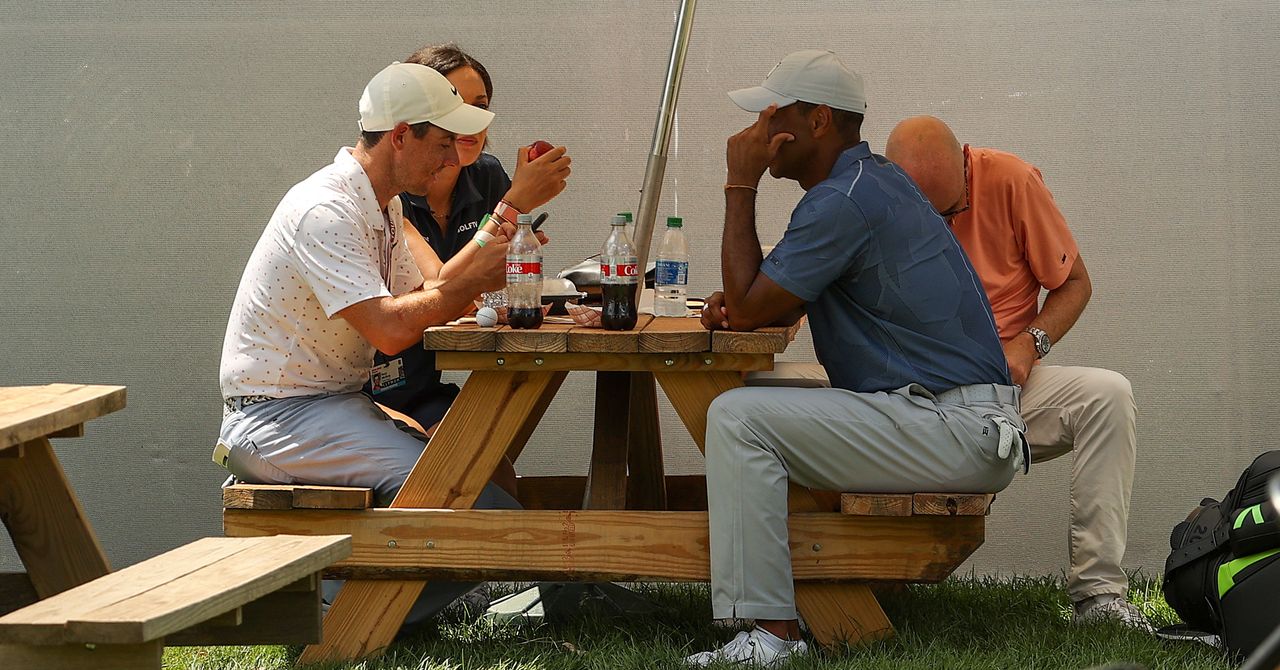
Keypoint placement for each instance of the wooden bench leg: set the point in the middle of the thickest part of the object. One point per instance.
(646, 481)
(83, 657)
(842, 613)
(691, 394)
(607, 476)
(48, 526)
(835, 613)
(500, 405)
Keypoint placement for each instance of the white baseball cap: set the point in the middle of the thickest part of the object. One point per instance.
(815, 76)
(412, 93)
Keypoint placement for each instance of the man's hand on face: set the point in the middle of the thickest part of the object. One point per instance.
(1020, 352)
(715, 316)
(749, 152)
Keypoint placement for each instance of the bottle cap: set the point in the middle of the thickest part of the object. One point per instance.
(618, 220)
(625, 215)
(524, 219)
(674, 222)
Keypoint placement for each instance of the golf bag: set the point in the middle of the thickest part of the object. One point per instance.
(1223, 575)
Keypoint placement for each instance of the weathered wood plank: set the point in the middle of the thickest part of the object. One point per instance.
(43, 622)
(766, 340)
(521, 438)
(46, 522)
(876, 504)
(257, 496)
(646, 483)
(30, 412)
(331, 497)
(607, 475)
(285, 496)
(951, 504)
(460, 338)
(208, 591)
(599, 340)
(614, 545)
(541, 362)
(550, 338)
(847, 613)
(669, 334)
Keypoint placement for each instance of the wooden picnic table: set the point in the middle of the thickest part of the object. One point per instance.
(627, 521)
(45, 520)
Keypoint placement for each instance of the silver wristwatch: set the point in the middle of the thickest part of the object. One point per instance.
(1042, 341)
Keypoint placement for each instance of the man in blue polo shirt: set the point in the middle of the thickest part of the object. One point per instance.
(921, 397)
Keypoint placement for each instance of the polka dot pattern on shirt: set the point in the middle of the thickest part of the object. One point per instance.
(322, 251)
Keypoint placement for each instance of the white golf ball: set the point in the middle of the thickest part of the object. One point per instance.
(486, 317)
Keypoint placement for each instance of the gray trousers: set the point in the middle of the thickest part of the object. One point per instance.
(908, 440)
(338, 440)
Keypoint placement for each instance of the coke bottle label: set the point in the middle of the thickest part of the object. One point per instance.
(523, 268)
(623, 273)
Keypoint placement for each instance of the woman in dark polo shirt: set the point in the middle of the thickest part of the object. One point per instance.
(447, 218)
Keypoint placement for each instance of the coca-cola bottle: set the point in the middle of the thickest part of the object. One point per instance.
(618, 278)
(524, 276)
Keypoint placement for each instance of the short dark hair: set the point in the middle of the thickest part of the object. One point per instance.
(848, 124)
(370, 139)
(445, 58)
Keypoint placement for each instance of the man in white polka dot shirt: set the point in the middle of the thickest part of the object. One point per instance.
(330, 280)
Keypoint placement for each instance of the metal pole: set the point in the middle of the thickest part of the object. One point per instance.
(651, 189)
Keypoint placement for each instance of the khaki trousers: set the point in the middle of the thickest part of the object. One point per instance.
(1089, 412)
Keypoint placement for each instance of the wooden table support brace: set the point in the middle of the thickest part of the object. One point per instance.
(494, 408)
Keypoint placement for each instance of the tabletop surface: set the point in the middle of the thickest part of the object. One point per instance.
(652, 335)
(29, 412)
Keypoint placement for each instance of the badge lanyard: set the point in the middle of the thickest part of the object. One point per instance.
(388, 255)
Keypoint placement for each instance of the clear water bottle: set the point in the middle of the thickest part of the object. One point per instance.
(524, 276)
(671, 278)
(618, 278)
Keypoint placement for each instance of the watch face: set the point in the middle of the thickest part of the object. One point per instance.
(1042, 343)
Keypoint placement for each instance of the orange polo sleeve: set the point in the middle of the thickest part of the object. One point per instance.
(1042, 231)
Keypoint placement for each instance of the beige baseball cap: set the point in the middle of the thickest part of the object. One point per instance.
(412, 93)
(815, 76)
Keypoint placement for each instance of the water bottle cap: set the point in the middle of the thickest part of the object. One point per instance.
(625, 215)
(674, 222)
(524, 219)
(619, 220)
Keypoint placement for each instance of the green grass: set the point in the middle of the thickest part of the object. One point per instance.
(966, 623)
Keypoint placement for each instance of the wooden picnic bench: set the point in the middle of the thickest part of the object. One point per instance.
(626, 520)
(212, 591)
(946, 530)
(38, 506)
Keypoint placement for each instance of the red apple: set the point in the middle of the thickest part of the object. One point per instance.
(538, 148)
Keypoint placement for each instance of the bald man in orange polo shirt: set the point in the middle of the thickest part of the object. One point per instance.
(1004, 216)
